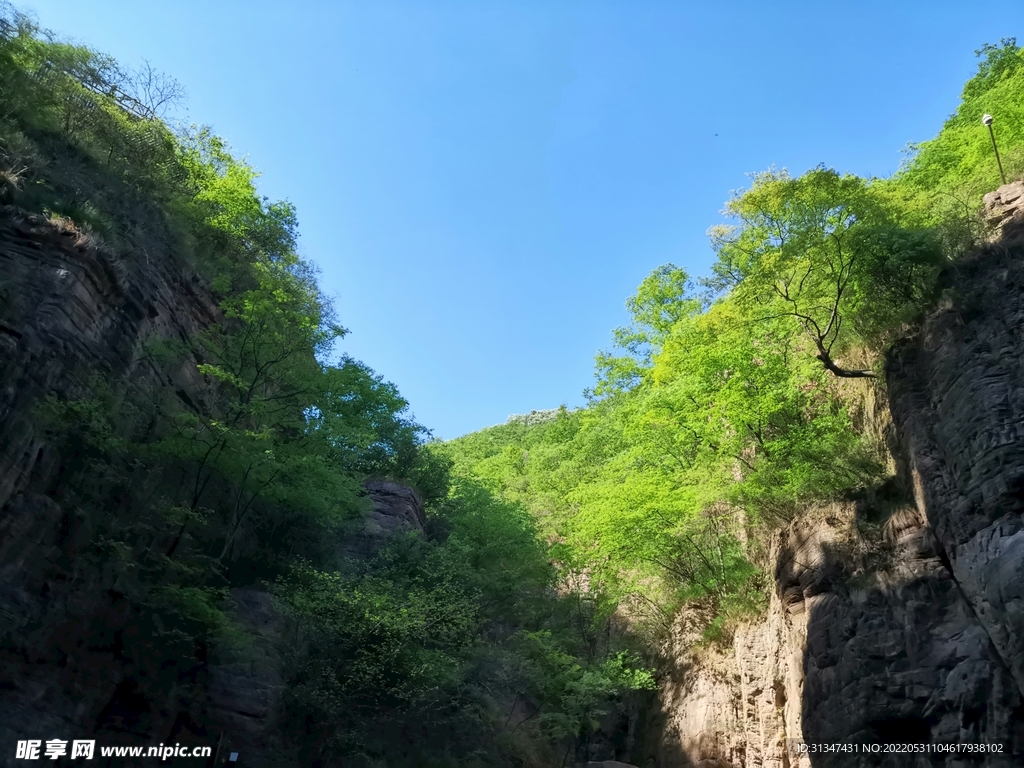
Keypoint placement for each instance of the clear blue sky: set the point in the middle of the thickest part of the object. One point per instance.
(484, 183)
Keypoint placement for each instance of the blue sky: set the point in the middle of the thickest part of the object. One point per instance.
(484, 183)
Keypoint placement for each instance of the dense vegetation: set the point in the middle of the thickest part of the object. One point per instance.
(726, 407)
(729, 405)
(460, 647)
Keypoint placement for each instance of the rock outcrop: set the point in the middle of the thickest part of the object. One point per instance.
(396, 510)
(845, 656)
(1002, 211)
(911, 634)
(72, 310)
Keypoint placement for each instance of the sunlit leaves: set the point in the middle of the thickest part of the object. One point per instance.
(958, 165)
(842, 260)
(663, 298)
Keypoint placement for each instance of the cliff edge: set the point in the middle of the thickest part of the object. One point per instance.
(896, 620)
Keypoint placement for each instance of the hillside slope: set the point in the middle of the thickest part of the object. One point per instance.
(215, 529)
(796, 478)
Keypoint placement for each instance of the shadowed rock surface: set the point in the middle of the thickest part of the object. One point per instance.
(913, 633)
(396, 511)
(70, 310)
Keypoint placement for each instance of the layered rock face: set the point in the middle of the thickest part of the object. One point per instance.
(72, 310)
(912, 633)
(844, 655)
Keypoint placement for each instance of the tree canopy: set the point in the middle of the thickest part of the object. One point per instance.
(253, 475)
(718, 415)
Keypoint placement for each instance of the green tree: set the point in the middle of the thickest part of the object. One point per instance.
(825, 251)
(663, 298)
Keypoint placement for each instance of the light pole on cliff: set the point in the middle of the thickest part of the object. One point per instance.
(987, 120)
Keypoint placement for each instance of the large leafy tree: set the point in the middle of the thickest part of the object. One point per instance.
(826, 251)
(664, 298)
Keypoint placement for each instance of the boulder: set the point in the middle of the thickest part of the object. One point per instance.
(395, 510)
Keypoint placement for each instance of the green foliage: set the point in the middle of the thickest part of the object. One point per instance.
(718, 417)
(255, 451)
(447, 632)
(651, 490)
(383, 640)
(945, 177)
(356, 415)
(831, 253)
(582, 692)
(663, 299)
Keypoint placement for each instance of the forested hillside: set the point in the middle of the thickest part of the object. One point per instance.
(193, 472)
(198, 433)
(734, 401)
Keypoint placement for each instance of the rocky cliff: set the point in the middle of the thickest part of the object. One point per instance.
(69, 310)
(898, 618)
(895, 618)
(72, 309)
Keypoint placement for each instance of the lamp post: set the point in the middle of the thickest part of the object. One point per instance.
(987, 120)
